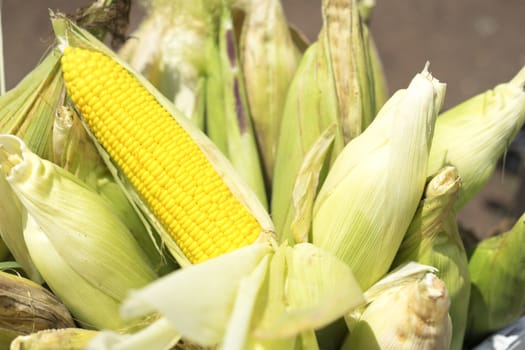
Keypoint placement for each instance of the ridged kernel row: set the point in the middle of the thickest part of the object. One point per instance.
(160, 159)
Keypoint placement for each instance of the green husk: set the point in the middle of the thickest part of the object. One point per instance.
(474, 135)
(373, 189)
(228, 116)
(74, 238)
(433, 239)
(497, 273)
(269, 59)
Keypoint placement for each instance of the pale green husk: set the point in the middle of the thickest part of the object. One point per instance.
(475, 134)
(83, 250)
(406, 310)
(497, 272)
(373, 188)
(433, 239)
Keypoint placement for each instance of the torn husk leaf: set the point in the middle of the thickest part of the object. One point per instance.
(51, 339)
(306, 185)
(269, 59)
(202, 319)
(473, 135)
(433, 239)
(367, 200)
(26, 307)
(310, 108)
(410, 311)
(102, 259)
(496, 268)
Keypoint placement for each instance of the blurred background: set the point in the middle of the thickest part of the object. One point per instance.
(471, 45)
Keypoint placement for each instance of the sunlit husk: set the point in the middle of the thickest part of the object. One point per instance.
(433, 239)
(257, 297)
(407, 312)
(474, 135)
(497, 267)
(368, 199)
(74, 238)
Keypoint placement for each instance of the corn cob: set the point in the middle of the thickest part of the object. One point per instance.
(383, 195)
(496, 268)
(187, 189)
(417, 307)
(473, 135)
(433, 239)
(26, 307)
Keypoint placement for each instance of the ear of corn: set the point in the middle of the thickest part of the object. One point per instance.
(367, 200)
(310, 108)
(496, 268)
(475, 134)
(228, 116)
(50, 339)
(187, 189)
(417, 307)
(74, 237)
(433, 239)
(269, 59)
(26, 307)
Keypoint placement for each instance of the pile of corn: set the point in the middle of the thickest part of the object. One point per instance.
(220, 182)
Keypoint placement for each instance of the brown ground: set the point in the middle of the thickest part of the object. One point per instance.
(471, 45)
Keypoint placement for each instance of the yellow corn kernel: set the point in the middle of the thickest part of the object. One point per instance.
(160, 159)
